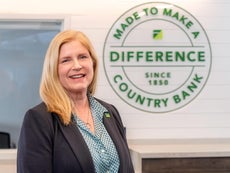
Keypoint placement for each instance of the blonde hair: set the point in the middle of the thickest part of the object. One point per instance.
(51, 91)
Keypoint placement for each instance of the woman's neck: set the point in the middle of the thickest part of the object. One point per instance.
(81, 108)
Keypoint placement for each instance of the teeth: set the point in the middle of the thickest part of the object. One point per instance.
(77, 76)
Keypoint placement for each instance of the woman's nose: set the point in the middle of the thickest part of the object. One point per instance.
(76, 65)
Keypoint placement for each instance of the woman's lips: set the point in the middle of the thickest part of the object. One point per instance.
(77, 76)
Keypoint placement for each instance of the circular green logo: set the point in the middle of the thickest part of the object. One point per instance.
(157, 57)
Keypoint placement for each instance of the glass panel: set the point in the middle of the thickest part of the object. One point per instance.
(22, 49)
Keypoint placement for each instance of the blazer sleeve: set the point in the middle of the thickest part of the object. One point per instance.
(35, 143)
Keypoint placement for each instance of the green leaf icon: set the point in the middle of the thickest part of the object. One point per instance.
(157, 34)
(107, 115)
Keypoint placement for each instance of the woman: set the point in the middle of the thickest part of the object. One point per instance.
(71, 131)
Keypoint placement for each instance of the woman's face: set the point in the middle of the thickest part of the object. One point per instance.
(75, 67)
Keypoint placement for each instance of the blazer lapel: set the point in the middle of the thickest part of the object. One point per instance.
(113, 131)
(78, 145)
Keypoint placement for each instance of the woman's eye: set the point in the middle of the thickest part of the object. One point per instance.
(64, 60)
(83, 57)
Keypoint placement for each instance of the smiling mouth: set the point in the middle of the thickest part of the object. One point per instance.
(77, 76)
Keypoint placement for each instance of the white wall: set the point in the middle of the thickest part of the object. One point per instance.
(208, 116)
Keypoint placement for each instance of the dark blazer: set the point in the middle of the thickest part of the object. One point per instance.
(47, 146)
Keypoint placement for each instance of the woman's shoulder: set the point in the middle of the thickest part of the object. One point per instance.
(40, 106)
(110, 107)
(106, 104)
(39, 111)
